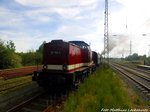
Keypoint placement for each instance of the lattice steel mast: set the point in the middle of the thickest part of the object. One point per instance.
(106, 35)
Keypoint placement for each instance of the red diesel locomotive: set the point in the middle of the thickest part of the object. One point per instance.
(64, 63)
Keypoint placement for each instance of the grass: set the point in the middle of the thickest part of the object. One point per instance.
(102, 90)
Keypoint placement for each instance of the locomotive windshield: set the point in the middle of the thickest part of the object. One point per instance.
(81, 44)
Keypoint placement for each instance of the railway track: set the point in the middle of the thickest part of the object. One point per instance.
(11, 79)
(11, 84)
(140, 73)
(139, 79)
(145, 71)
(45, 101)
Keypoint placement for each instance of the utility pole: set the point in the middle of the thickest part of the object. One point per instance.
(123, 53)
(106, 36)
(130, 47)
(149, 51)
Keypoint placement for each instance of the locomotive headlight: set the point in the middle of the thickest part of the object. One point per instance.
(64, 67)
(37, 74)
(45, 66)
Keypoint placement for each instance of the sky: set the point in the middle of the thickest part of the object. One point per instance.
(30, 22)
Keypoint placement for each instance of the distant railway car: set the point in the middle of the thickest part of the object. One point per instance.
(96, 58)
(64, 63)
(144, 67)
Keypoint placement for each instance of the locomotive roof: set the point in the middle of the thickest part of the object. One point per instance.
(79, 43)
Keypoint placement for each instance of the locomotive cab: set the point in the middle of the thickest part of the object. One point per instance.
(87, 53)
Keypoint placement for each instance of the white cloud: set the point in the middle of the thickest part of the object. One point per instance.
(136, 12)
(9, 18)
(35, 17)
(68, 13)
(65, 12)
(55, 3)
(23, 42)
(77, 27)
(76, 20)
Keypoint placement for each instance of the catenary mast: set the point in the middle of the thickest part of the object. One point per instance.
(106, 35)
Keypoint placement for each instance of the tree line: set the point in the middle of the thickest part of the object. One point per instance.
(9, 58)
(136, 58)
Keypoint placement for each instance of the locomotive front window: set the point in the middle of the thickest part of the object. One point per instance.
(55, 53)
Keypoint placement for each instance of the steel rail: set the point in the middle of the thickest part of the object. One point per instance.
(136, 68)
(132, 78)
(141, 75)
(12, 87)
(15, 81)
(42, 101)
(24, 103)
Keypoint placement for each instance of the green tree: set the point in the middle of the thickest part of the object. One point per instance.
(8, 58)
(38, 58)
(39, 53)
(11, 46)
(3, 54)
(32, 57)
(28, 58)
(142, 57)
(133, 57)
(40, 50)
